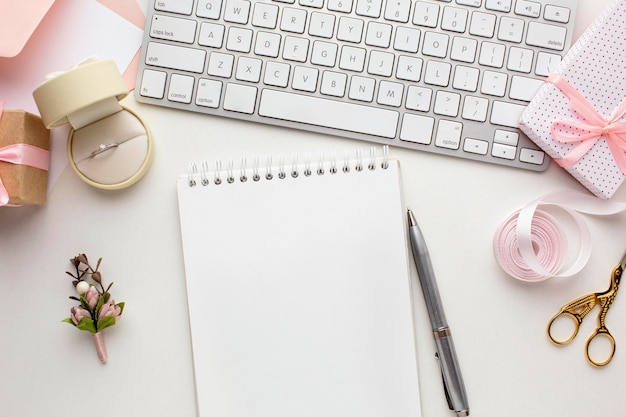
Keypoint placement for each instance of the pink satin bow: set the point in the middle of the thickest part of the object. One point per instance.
(21, 154)
(595, 125)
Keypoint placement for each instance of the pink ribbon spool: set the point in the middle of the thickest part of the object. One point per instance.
(531, 244)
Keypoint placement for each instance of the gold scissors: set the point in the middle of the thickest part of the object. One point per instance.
(579, 308)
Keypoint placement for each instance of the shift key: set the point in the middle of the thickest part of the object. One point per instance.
(175, 57)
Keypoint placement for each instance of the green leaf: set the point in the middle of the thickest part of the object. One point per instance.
(87, 324)
(121, 306)
(84, 303)
(68, 320)
(104, 322)
(101, 302)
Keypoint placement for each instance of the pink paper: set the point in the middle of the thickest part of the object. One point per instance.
(18, 21)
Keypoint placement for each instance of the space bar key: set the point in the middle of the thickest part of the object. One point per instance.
(328, 113)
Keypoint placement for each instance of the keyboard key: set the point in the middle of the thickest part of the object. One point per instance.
(483, 24)
(362, 88)
(370, 8)
(498, 5)
(221, 65)
(181, 88)
(448, 134)
(406, 39)
(378, 34)
(511, 29)
(527, 8)
(418, 98)
(239, 39)
(381, 63)
(503, 151)
(153, 83)
(174, 6)
(506, 114)
(277, 74)
(322, 25)
(350, 29)
(476, 146)
(520, 59)
(447, 104)
(454, 19)
(546, 36)
(240, 98)
(322, 112)
(463, 49)
(175, 57)
(531, 156)
(173, 29)
(409, 68)
(333, 83)
(492, 54)
(324, 53)
(352, 59)
(466, 78)
(295, 49)
(267, 44)
(494, 83)
(416, 128)
(390, 94)
(546, 63)
(437, 73)
(425, 14)
(475, 108)
(293, 20)
(524, 88)
(209, 8)
(265, 15)
(506, 137)
(237, 11)
(398, 10)
(343, 6)
(211, 34)
(556, 13)
(248, 69)
(209, 92)
(435, 44)
(305, 79)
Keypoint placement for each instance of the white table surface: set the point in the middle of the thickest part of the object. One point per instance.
(49, 369)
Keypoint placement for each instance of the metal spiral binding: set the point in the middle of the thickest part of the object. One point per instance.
(296, 168)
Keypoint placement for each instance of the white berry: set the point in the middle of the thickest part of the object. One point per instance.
(82, 287)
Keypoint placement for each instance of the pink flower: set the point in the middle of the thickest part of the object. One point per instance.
(92, 296)
(77, 313)
(110, 309)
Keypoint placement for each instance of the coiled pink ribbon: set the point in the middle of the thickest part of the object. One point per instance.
(596, 127)
(530, 245)
(21, 154)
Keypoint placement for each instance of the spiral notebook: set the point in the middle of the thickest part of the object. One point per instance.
(298, 289)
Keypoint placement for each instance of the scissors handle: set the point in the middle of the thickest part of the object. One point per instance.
(600, 332)
(577, 319)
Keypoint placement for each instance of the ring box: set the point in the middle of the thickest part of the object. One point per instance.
(109, 146)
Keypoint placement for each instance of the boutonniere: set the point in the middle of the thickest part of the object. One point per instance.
(96, 310)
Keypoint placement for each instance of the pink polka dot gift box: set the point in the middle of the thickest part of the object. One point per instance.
(578, 116)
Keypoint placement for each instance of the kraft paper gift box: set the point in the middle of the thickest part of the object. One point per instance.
(578, 116)
(24, 144)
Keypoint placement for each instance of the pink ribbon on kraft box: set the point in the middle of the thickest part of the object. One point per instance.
(21, 154)
(588, 133)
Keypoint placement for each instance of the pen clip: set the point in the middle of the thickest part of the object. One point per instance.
(445, 386)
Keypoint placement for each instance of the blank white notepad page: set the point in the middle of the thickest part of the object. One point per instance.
(299, 295)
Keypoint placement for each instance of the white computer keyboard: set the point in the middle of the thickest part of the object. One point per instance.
(450, 77)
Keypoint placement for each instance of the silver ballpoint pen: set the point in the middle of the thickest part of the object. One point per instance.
(450, 370)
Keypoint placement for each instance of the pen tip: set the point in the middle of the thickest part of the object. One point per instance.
(412, 221)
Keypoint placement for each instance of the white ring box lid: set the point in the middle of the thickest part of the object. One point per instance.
(109, 146)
